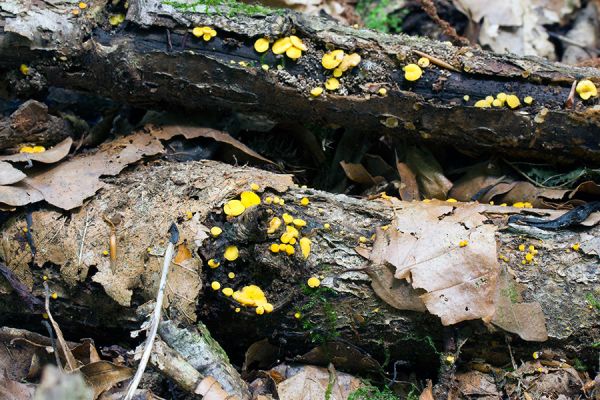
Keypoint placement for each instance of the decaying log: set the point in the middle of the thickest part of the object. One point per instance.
(153, 61)
(96, 296)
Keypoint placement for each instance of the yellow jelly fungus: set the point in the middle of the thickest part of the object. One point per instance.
(337, 72)
(268, 307)
(215, 285)
(332, 59)
(385, 227)
(215, 231)
(305, 247)
(249, 199)
(25, 230)
(316, 92)
(463, 243)
(237, 309)
(149, 249)
(423, 62)
(45, 278)
(45, 315)
(575, 247)
(287, 218)
(289, 250)
(38, 149)
(450, 359)
(231, 253)
(482, 104)
(528, 257)
(274, 224)
(105, 252)
(189, 215)
(250, 296)
(268, 200)
(412, 72)
(265, 67)
(313, 282)
(292, 231)
(362, 239)
(197, 31)
(260, 310)
(261, 45)
(26, 149)
(213, 263)
(282, 247)
(231, 275)
(304, 201)
(274, 247)
(24, 69)
(332, 84)
(227, 291)
(501, 96)
(54, 295)
(497, 103)
(531, 248)
(293, 240)
(233, 208)
(327, 226)
(489, 99)
(586, 89)
(254, 187)
(116, 19)
(294, 53)
(82, 5)
(276, 200)
(536, 355)
(521, 247)
(281, 45)
(451, 200)
(297, 315)
(75, 11)
(382, 91)
(298, 43)
(299, 223)
(349, 61)
(528, 100)
(285, 238)
(466, 97)
(513, 101)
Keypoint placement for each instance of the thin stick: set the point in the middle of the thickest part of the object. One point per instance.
(155, 315)
(85, 227)
(436, 61)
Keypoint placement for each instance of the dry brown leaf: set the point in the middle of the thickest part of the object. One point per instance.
(167, 132)
(183, 254)
(478, 178)
(13, 390)
(357, 173)
(49, 156)
(474, 384)
(427, 393)
(9, 174)
(19, 194)
(431, 179)
(342, 355)
(308, 382)
(521, 192)
(409, 189)
(103, 375)
(86, 352)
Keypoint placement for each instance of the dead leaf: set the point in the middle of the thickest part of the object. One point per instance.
(476, 182)
(308, 382)
(183, 254)
(357, 173)
(427, 393)
(49, 156)
(260, 355)
(103, 375)
(409, 189)
(342, 355)
(19, 194)
(474, 384)
(86, 352)
(9, 174)
(429, 173)
(12, 390)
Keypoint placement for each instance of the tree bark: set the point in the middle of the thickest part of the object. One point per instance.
(152, 61)
(98, 297)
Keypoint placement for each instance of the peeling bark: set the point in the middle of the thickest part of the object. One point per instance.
(153, 61)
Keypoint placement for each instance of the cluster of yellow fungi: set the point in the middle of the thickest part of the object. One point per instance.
(503, 99)
(205, 32)
(290, 237)
(338, 62)
(32, 149)
(236, 207)
(253, 296)
(292, 46)
(529, 255)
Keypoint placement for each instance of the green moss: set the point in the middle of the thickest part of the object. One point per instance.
(376, 15)
(323, 329)
(593, 301)
(222, 7)
(370, 392)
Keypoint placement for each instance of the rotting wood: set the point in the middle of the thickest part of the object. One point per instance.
(152, 61)
(347, 308)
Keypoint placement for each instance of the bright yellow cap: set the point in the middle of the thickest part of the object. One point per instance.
(412, 72)
(332, 84)
(586, 89)
(313, 282)
(231, 253)
(233, 208)
(281, 45)
(227, 291)
(215, 285)
(215, 231)
(261, 45)
(316, 92)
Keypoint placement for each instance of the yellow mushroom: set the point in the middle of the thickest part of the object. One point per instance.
(227, 291)
(304, 201)
(412, 72)
(349, 61)
(513, 101)
(332, 84)
(332, 59)
(293, 52)
(249, 199)
(528, 100)
(586, 89)
(250, 296)
(305, 244)
(215, 231)
(313, 282)
(274, 224)
(261, 45)
(233, 208)
(316, 92)
(213, 263)
(423, 62)
(215, 285)
(231, 253)
(281, 45)
(298, 43)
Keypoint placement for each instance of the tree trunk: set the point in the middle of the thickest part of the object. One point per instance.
(97, 295)
(152, 61)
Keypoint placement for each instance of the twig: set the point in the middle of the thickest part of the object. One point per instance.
(85, 226)
(429, 7)
(512, 358)
(53, 344)
(434, 60)
(155, 315)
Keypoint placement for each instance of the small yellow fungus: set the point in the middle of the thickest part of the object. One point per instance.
(215, 231)
(299, 223)
(213, 263)
(268, 200)
(382, 91)
(501, 96)
(215, 285)
(489, 99)
(305, 244)
(231, 253)
(423, 62)
(463, 243)
(287, 218)
(25, 230)
(105, 253)
(285, 238)
(362, 239)
(528, 100)
(532, 248)
(297, 315)
(227, 291)
(38, 149)
(237, 309)
(523, 262)
(332, 84)
(268, 307)
(197, 31)
(292, 231)
(281, 45)
(82, 5)
(337, 72)
(54, 295)
(332, 59)
(149, 249)
(233, 208)
(451, 200)
(575, 247)
(274, 247)
(327, 226)
(260, 310)
(265, 67)
(24, 69)
(293, 241)
(261, 45)
(528, 257)
(298, 43)
(385, 228)
(466, 97)
(450, 359)
(75, 11)
(513, 101)
(521, 247)
(45, 277)
(316, 92)
(276, 200)
(313, 282)
(254, 187)
(274, 225)
(45, 315)
(294, 53)
(26, 149)
(412, 72)
(349, 61)
(231, 275)
(586, 89)
(497, 103)
(116, 19)
(482, 104)
(304, 201)
(249, 199)
(289, 250)
(535, 355)
(282, 247)
(250, 296)
(189, 215)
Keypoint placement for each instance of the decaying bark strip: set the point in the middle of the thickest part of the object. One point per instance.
(153, 61)
(346, 307)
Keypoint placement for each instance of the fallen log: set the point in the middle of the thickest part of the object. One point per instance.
(153, 61)
(361, 300)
